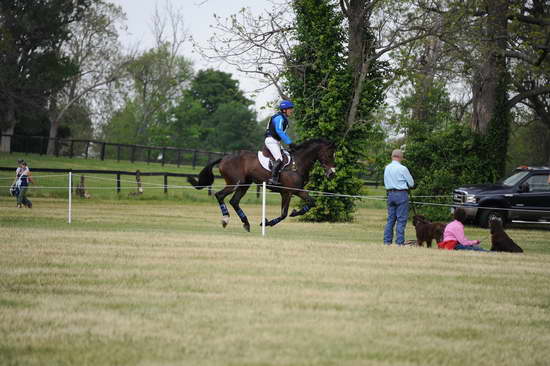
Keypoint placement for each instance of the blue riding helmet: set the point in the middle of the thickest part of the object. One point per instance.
(286, 104)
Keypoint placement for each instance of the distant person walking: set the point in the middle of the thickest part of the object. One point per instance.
(22, 180)
(397, 181)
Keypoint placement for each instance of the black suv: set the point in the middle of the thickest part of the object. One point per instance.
(526, 192)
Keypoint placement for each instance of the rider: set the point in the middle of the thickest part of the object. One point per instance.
(275, 132)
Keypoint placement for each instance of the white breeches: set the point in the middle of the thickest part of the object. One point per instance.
(275, 147)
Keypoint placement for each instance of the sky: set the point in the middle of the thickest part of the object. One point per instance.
(198, 17)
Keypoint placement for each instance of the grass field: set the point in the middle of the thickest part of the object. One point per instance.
(134, 282)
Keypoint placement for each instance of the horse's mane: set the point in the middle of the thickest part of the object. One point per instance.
(308, 143)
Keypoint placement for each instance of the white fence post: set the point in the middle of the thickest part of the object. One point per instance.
(263, 208)
(70, 195)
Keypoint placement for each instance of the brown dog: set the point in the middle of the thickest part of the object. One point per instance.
(426, 230)
(500, 241)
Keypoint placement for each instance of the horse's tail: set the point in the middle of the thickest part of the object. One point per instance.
(206, 177)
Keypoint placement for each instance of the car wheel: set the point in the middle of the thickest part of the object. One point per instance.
(487, 215)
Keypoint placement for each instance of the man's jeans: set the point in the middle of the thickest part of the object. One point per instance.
(22, 196)
(398, 210)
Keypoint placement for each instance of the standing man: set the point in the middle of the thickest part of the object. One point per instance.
(397, 180)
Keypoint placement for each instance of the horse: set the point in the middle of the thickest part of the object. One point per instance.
(242, 169)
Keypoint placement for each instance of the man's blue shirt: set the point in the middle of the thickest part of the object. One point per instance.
(278, 122)
(397, 176)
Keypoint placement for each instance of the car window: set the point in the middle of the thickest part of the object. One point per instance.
(514, 179)
(539, 183)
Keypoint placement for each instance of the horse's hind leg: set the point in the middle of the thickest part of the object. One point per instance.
(241, 191)
(220, 196)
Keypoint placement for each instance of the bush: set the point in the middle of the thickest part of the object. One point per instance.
(442, 161)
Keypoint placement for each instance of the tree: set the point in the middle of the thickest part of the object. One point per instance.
(31, 65)
(214, 113)
(212, 88)
(255, 45)
(234, 127)
(156, 79)
(94, 47)
(502, 53)
(321, 79)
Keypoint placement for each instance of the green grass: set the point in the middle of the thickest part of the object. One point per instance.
(160, 282)
(45, 161)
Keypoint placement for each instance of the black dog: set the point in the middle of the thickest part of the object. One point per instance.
(426, 230)
(500, 241)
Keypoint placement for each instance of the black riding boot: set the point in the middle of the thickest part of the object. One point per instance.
(274, 180)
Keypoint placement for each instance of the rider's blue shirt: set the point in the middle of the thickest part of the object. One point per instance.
(278, 121)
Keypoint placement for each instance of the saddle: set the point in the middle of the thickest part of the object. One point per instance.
(266, 158)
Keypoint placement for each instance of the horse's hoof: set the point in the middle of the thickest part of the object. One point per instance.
(246, 227)
(265, 223)
(225, 221)
(293, 213)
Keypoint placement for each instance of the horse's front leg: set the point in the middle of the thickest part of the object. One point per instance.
(235, 203)
(285, 201)
(310, 203)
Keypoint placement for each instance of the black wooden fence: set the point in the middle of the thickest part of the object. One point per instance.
(107, 150)
(119, 174)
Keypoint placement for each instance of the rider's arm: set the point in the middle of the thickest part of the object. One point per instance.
(278, 121)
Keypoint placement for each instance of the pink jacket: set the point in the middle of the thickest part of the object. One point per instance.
(455, 231)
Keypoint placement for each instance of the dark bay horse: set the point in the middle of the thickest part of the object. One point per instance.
(242, 169)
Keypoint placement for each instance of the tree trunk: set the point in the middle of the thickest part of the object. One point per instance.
(423, 86)
(5, 145)
(492, 71)
(9, 122)
(54, 126)
(359, 48)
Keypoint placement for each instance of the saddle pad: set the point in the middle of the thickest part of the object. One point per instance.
(267, 164)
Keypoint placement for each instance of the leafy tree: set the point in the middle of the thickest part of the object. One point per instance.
(187, 123)
(94, 47)
(214, 113)
(500, 49)
(529, 145)
(444, 160)
(156, 78)
(234, 127)
(121, 128)
(322, 81)
(31, 65)
(211, 88)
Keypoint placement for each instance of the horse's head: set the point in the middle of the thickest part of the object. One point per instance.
(327, 156)
(320, 150)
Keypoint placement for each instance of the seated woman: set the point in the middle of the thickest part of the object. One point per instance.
(453, 236)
